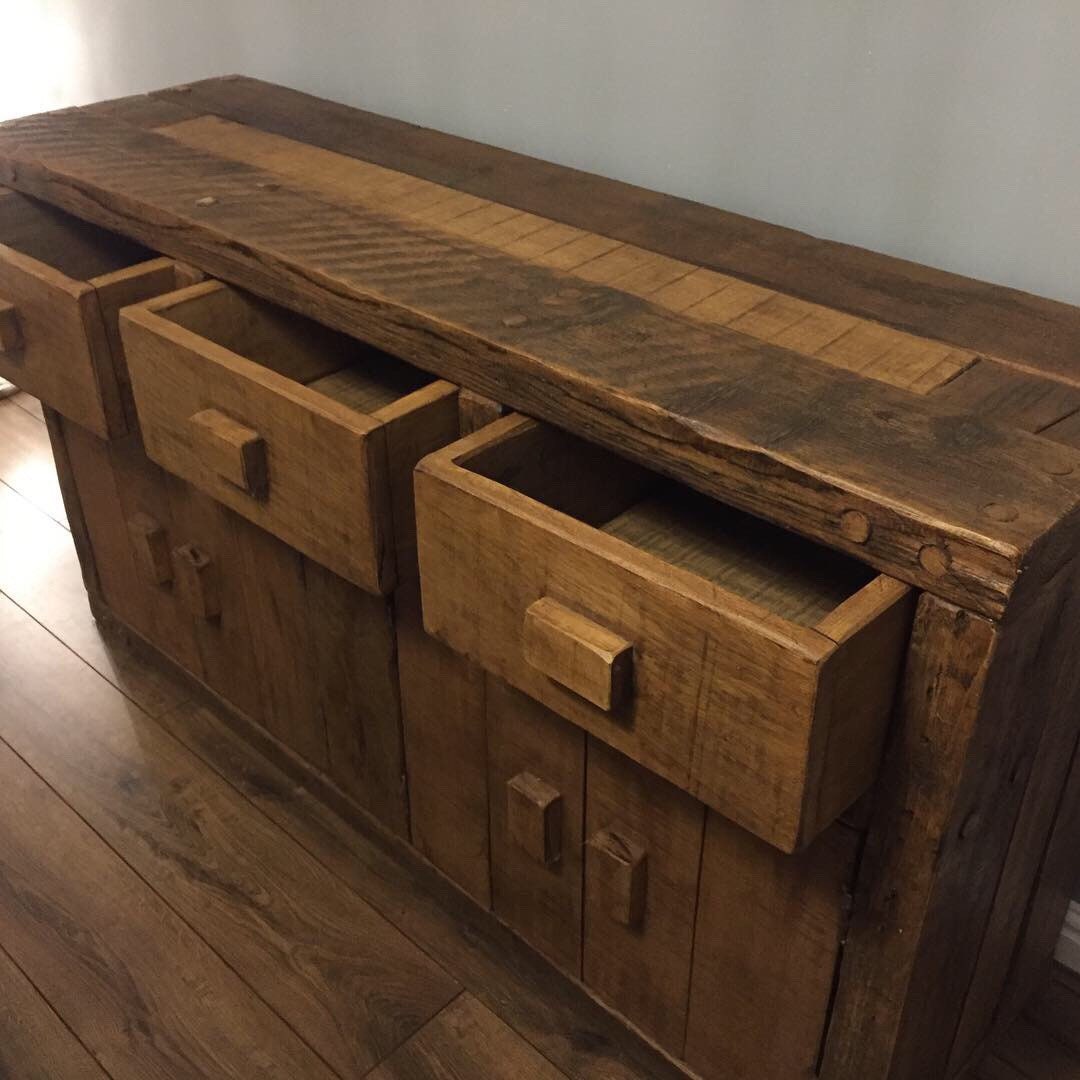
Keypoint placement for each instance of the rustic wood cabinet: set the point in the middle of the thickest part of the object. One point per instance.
(718, 635)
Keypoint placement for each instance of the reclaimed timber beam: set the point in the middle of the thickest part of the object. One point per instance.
(983, 710)
(957, 506)
(1030, 331)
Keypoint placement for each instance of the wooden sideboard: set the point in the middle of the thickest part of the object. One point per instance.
(699, 597)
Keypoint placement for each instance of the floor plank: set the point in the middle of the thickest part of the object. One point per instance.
(320, 957)
(29, 404)
(34, 1043)
(134, 983)
(1044, 1043)
(466, 1042)
(553, 1015)
(1057, 1009)
(1035, 1054)
(26, 462)
(39, 571)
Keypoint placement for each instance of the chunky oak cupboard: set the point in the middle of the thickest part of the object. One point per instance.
(698, 596)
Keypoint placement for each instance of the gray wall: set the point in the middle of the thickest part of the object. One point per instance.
(948, 133)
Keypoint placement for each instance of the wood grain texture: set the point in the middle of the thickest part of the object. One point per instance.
(583, 1039)
(322, 959)
(465, 1040)
(10, 331)
(534, 816)
(34, 1043)
(739, 419)
(1032, 963)
(150, 549)
(732, 702)
(639, 961)
(235, 452)
(1037, 881)
(40, 571)
(873, 350)
(25, 461)
(132, 285)
(352, 650)
(959, 783)
(442, 708)
(767, 942)
(1021, 400)
(540, 898)
(135, 984)
(116, 483)
(278, 432)
(275, 598)
(1007, 323)
(47, 263)
(576, 652)
(224, 644)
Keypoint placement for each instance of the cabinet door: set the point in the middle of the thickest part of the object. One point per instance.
(442, 712)
(129, 520)
(537, 791)
(769, 931)
(642, 857)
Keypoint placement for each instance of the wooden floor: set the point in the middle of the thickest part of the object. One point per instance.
(1044, 1044)
(173, 905)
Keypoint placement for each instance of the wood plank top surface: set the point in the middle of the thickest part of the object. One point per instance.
(743, 385)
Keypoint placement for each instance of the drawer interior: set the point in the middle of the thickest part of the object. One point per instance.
(335, 365)
(786, 574)
(77, 249)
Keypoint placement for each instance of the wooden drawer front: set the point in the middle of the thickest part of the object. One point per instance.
(747, 666)
(61, 282)
(536, 784)
(642, 858)
(307, 433)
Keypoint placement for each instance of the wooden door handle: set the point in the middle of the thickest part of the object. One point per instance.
(197, 582)
(621, 868)
(579, 654)
(11, 338)
(534, 817)
(235, 452)
(150, 546)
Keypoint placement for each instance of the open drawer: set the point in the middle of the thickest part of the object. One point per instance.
(307, 432)
(61, 284)
(744, 664)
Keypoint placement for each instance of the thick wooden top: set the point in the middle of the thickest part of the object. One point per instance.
(923, 422)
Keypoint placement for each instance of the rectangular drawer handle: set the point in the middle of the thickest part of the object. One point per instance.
(621, 866)
(235, 452)
(11, 338)
(579, 654)
(150, 546)
(197, 583)
(534, 817)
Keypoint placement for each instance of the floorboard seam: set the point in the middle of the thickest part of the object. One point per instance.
(165, 900)
(49, 1005)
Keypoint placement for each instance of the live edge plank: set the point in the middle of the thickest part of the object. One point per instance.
(321, 958)
(990, 319)
(133, 982)
(960, 781)
(34, 1043)
(774, 432)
